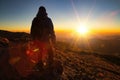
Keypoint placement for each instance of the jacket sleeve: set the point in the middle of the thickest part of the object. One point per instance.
(32, 31)
(52, 33)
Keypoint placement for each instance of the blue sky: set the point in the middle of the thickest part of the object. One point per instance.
(65, 14)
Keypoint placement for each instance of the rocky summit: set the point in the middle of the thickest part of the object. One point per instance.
(76, 64)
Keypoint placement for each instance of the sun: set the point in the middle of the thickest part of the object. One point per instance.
(82, 29)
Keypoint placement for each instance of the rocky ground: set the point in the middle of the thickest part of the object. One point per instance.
(85, 66)
(77, 65)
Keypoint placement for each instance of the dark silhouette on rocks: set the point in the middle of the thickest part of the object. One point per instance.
(44, 39)
(42, 33)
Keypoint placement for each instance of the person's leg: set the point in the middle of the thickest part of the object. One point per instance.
(50, 56)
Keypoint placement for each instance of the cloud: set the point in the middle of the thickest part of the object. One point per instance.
(109, 16)
(114, 13)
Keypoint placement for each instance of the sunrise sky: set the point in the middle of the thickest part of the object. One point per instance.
(97, 15)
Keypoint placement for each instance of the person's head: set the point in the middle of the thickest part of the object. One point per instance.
(42, 11)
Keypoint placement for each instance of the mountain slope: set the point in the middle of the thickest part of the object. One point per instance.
(77, 65)
(86, 66)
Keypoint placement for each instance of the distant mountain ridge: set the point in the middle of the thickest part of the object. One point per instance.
(14, 36)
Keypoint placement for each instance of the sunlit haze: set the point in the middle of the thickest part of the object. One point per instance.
(98, 15)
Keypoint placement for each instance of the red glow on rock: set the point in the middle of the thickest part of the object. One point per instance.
(37, 51)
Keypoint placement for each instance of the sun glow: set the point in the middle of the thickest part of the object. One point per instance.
(82, 29)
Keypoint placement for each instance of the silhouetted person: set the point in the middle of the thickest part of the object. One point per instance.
(42, 30)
